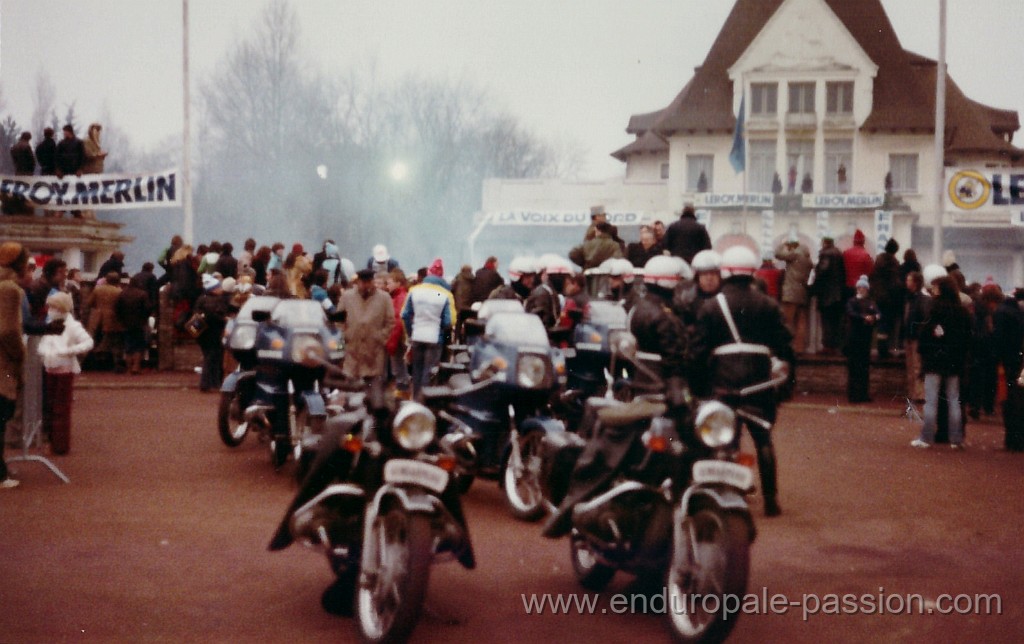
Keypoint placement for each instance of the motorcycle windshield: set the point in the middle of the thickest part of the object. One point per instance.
(298, 313)
(256, 303)
(518, 329)
(607, 314)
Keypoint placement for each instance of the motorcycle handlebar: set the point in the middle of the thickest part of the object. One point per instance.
(336, 376)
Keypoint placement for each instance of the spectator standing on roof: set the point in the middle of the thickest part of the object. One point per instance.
(686, 236)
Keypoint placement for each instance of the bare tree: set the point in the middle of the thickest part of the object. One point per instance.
(44, 103)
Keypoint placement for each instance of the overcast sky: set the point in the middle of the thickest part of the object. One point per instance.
(571, 70)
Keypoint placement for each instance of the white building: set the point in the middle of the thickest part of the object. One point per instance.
(838, 134)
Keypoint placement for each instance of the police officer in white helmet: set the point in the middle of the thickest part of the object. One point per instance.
(656, 324)
(707, 267)
(522, 273)
(757, 320)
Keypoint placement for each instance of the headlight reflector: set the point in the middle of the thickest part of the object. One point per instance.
(531, 371)
(414, 426)
(308, 350)
(623, 343)
(716, 424)
(243, 337)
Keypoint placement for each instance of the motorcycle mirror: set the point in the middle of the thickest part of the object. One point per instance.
(260, 315)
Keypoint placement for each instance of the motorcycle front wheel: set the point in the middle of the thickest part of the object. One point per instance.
(521, 482)
(230, 425)
(712, 565)
(396, 569)
(592, 574)
(304, 428)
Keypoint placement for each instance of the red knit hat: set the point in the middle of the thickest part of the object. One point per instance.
(297, 249)
(858, 237)
(436, 268)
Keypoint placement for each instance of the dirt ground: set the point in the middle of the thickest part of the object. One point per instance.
(161, 537)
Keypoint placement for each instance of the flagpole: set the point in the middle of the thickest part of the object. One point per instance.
(743, 133)
(940, 135)
(187, 224)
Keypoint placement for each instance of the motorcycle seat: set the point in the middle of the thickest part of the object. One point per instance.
(631, 412)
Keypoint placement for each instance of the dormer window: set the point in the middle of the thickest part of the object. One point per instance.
(801, 98)
(839, 98)
(764, 99)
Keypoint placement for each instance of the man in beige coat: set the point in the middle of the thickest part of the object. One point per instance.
(369, 316)
(795, 298)
(104, 326)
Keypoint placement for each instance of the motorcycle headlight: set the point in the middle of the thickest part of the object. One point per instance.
(623, 343)
(716, 424)
(531, 371)
(308, 350)
(243, 337)
(414, 426)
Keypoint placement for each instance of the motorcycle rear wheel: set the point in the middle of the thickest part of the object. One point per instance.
(591, 574)
(521, 482)
(715, 562)
(230, 426)
(396, 569)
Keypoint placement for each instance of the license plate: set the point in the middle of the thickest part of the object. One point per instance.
(415, 473)
(737, 476)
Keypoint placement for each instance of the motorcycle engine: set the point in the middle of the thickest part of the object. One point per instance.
(632, 522)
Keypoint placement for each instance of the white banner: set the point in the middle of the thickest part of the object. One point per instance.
(822, 225)
(94, 191)
(730, 200)
(843, 201)
(559, 218)
(767, 233)
(883, 229)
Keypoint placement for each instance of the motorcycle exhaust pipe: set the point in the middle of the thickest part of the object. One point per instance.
(257, 415)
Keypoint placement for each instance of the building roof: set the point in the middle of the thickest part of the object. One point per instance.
(903, 99)
(647, 142)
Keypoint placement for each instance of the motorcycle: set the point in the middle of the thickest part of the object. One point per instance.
(657, 490)
(587, 358)
(380, 500)
(500, 404)
(281, 396)
(239, 386)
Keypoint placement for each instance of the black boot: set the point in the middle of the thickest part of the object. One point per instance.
(769, 485)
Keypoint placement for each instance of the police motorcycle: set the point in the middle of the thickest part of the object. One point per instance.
(281, 395)
(380, 500)
(659, 491)
(587, 350)
(500, 401)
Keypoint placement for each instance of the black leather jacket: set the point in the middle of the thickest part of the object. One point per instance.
(758, 319)
(659, 331)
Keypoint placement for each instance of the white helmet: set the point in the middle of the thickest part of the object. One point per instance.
(666, 271)
(554, 264)
(623, 267)
(933, 272)
(705, 261)
(617, 267)
(520, 266)
(739, 260)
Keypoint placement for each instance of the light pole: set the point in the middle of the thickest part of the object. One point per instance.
(940, 137)
(186, 174)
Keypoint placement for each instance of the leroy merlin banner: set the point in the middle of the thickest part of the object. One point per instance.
(984, 190)
(94, 191)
